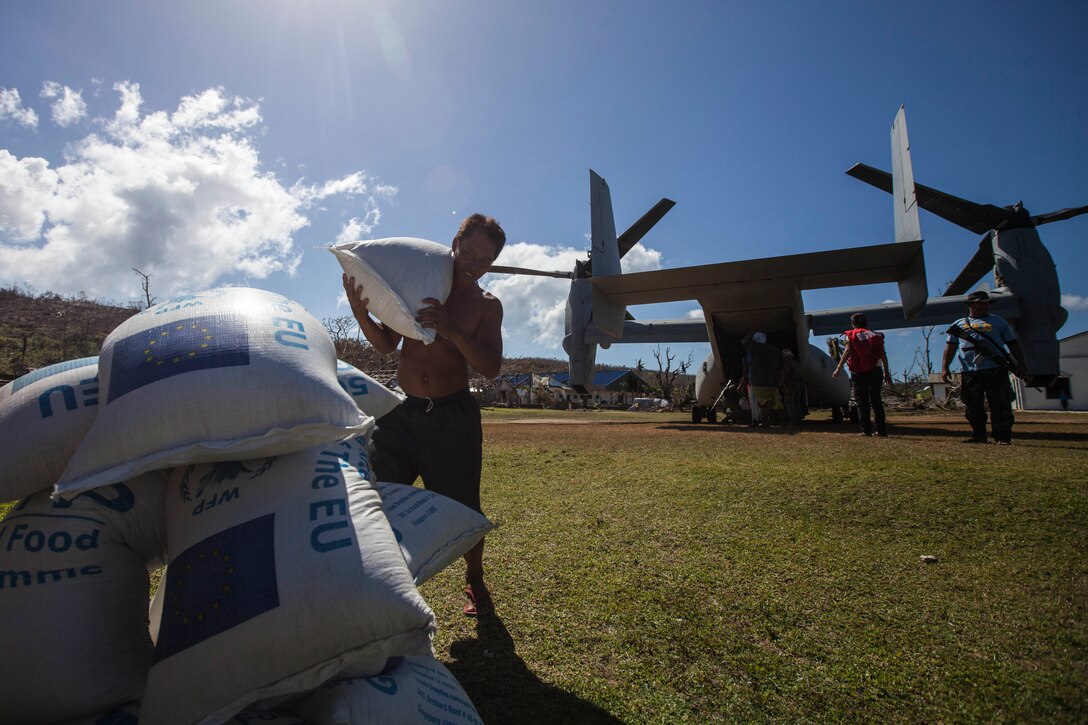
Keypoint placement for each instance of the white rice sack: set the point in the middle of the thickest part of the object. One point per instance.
(43, 417)
(73, 600)
(255, 717)
(419, 690)
(283, 573)
(130, 715)
(127, 714)
(396, 275)
(373, 398)
(433, 530)
(220, 375)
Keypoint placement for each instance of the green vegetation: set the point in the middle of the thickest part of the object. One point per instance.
(663, 572)
(650, 571)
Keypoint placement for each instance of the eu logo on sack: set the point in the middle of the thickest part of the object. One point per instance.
(198, 343)
(218, 583)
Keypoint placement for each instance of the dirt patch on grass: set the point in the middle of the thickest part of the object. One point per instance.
(930, 428)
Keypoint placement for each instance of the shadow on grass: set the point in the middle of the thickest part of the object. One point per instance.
(505, 690)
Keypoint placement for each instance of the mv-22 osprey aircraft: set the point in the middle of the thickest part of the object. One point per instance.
(765, 294)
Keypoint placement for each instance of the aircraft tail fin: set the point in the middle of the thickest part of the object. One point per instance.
(913, 289)
(605, 257)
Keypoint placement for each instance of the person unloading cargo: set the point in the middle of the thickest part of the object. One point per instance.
(435, 433)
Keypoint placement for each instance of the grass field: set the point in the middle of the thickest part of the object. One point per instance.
(650, 571)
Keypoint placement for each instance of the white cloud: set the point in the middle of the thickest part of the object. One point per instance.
(356, 229)
(213, 110)
(640, 259)
(1074, 302)
(696, 314)
(11, 106)
(534, 308)
(26, 189)
(69, 107)
(179, 195)
(355, 184)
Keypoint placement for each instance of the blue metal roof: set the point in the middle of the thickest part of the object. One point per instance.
(604, 378)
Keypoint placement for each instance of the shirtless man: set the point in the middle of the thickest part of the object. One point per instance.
(435, 433)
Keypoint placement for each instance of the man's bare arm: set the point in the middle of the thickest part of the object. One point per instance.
(842, 360)
(381, 337)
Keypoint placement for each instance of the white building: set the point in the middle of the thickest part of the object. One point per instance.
(1073, 363)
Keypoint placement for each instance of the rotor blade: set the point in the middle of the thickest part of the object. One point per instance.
(978, 218)
(638, 230)
(980, 264)
(1057, 216)
(495, 269)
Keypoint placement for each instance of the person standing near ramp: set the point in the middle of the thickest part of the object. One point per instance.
(981, 339)
(864, 354)
(762, 363)
(436, 433)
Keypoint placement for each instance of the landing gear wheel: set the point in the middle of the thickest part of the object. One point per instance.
(696, 414)
(712, 416)
(836, 414)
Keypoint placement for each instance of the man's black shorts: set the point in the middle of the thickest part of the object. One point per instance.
(437, 439)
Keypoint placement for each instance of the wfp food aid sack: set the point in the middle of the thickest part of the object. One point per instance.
(129, 714)
(225, 374)
(373, 398)
(433, 530)
(396, 275)
(419, 690)
(43, 417)
(283, 572)
(73, 599)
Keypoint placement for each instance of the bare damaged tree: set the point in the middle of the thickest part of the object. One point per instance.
(339, 329)
(356, 352)
(927, 361)
(146, 284)
(666, 376)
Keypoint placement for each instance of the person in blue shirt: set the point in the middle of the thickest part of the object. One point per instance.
(981, 339)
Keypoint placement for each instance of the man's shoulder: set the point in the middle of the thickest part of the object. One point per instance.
(477, 296)
(489, 304)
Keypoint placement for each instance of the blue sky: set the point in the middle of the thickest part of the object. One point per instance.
(213, 143)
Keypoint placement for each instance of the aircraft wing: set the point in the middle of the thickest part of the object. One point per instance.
(812, 270)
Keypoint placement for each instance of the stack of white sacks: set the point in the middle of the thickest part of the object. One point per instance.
(217, 434)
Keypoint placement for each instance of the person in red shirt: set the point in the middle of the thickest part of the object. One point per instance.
(868, 362)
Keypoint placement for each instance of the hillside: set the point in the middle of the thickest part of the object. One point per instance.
(37, 330)
(522, 365)
(40, 330)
